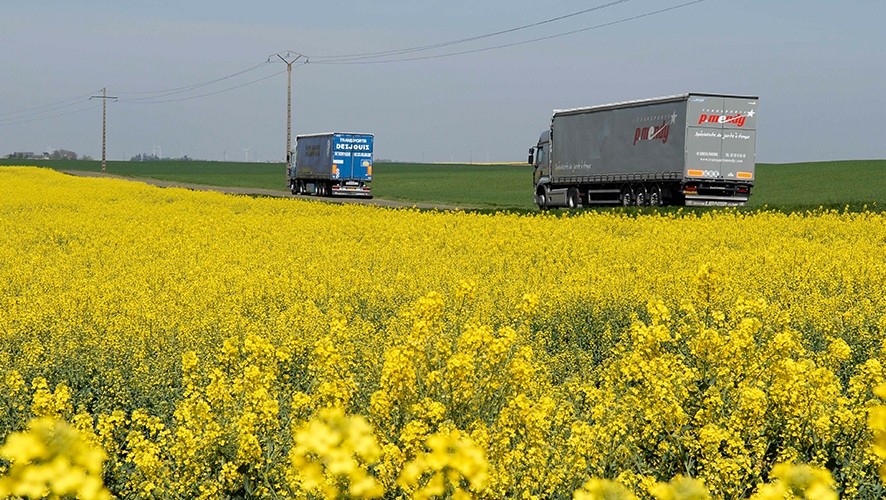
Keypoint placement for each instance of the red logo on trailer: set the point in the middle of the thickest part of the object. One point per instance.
(737, 120)
(655, 132)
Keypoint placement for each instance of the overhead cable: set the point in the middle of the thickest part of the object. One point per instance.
(370, 55)
(43, 107)
(21, 120)
(188, 98)
(179, 90)
(513, 44)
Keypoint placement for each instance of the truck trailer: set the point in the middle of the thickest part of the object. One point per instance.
(333, 163)
(690, 149)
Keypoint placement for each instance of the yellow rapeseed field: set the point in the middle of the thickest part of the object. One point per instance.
(163, 343)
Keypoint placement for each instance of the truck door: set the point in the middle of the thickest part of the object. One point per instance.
(354, 155)
(739, 139)
(362, 157)
(541, 161)
(721, 138)
(344, 158)
(542, 157)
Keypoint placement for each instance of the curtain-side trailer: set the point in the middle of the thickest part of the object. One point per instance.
(333, 163)
(689, 149)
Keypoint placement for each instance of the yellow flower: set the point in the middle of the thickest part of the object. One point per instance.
(602, 489)
(798, 481)
(681, 488)
(334, 447)
(52, 458)
(451, 464)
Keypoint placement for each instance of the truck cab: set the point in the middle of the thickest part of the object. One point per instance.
(540, 159)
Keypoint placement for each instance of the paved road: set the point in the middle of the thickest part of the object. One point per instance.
(271, 192)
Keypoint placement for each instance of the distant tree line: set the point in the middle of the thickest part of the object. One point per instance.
(58, 154)
(153, 157)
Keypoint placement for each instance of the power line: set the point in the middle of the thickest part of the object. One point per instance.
(188, 98)
(32, 114)
(383, 57)
(60, 104)
(29, 120)
(179, 90)
(44, 111)
(522, 42)
(367, 55)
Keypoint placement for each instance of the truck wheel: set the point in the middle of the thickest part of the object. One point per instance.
(293, 187)
(626, 197)
(541, 199)
(640, 197)
(572, 199)
(655, 196)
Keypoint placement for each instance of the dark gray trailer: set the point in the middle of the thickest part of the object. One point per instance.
(690, 149)
(334, 163)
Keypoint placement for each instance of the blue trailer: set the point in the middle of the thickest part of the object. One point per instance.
(333, 163)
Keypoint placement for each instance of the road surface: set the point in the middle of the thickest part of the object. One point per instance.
(271, 192)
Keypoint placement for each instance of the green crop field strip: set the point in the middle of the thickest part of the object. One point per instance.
(493, 186)
(836, 183)
(793, 186)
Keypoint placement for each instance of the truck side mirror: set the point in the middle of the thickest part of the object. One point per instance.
(531, 153)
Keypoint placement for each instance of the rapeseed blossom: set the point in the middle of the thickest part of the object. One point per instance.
(220, 346)
(51, 459)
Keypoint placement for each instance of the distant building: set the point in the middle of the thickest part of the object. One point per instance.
(24, 155)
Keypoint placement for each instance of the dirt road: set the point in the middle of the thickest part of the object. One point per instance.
(271, 192)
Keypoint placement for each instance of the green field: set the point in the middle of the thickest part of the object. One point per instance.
(793, 186)
(489, 186)
(835, 184)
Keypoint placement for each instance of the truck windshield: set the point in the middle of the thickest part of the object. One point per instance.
(541, 156)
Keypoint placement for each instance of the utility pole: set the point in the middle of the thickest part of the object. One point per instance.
(104, 97)
(289, 58)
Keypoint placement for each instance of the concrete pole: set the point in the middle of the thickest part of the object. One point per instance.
(104, 97)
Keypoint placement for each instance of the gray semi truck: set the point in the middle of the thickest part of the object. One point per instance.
(333, 163)
(689, 149)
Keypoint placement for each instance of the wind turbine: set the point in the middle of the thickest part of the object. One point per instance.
(246, 153)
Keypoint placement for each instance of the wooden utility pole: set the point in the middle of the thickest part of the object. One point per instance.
(104, 97)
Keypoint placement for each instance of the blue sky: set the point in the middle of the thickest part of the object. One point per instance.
(818, 66)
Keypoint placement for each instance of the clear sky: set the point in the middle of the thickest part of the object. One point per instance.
(818, 66)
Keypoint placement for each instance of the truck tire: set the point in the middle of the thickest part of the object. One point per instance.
(626, 197)
(541, 198)
(641, 199)
(572, 198)
(655, 196)
(293, 187)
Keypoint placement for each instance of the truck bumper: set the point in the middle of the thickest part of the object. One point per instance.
(695, 200)
(351, 191)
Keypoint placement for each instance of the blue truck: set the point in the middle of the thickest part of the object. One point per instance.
(333, 163)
